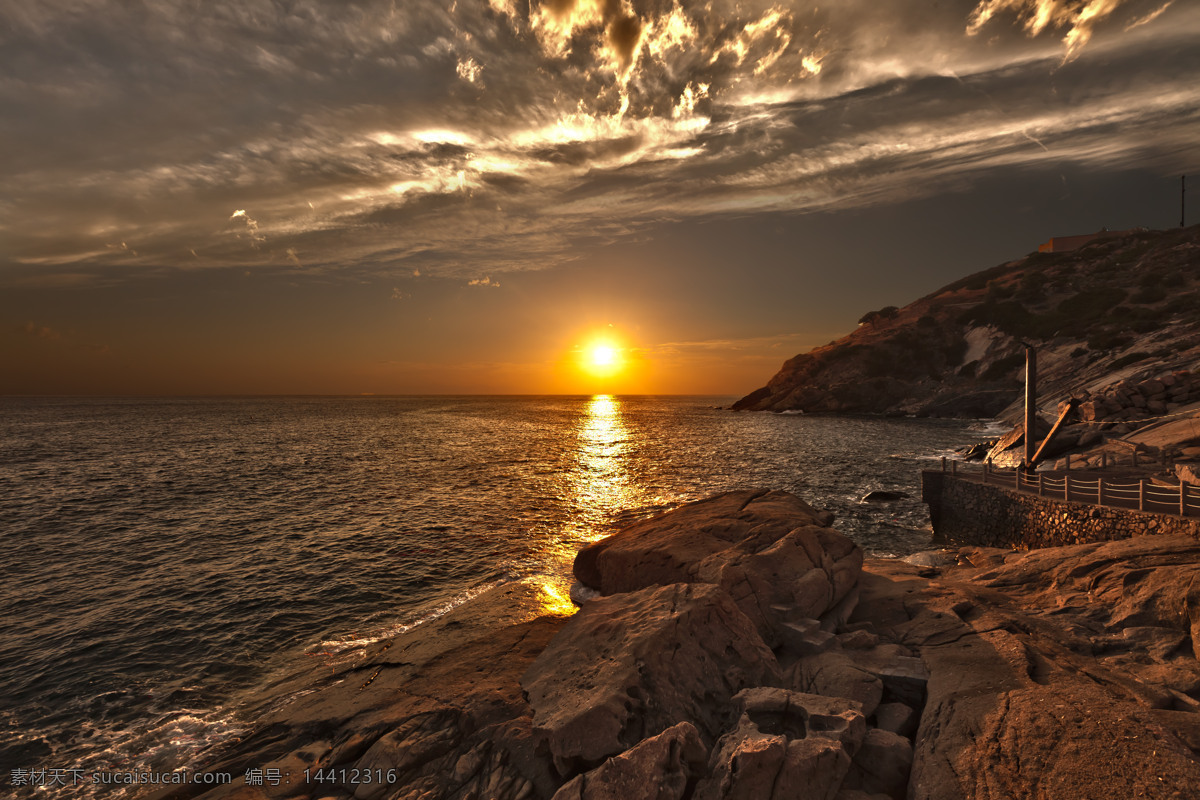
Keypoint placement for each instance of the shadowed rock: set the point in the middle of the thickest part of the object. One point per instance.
(663, 767)
(629, 666)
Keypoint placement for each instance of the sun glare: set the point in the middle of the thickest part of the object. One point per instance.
(602, 358)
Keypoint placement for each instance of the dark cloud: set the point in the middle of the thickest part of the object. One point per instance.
(488, 135)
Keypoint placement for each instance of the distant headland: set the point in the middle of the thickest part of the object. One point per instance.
(1101, 309)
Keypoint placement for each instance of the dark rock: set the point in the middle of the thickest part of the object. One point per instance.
(897, 718)
(881, 496)
(836, 673)
(629, 666)
(663, 767)
(882, 765)
(805, 637)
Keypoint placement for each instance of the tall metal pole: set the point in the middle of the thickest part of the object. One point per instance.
(1030, 404)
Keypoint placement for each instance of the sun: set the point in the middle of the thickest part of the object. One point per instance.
(602, 358)
(602, 355)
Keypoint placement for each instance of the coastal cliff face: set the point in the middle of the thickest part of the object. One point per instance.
(1117, 309)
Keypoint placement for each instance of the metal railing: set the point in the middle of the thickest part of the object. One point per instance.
(1139, 494)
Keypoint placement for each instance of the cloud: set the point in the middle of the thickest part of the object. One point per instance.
(48, 334)
(249, 227)
(484, 281)
(40, 331)
(367, 137)
(470, 71)
(1078, 18)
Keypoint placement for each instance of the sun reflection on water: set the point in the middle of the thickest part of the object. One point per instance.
(601, 485)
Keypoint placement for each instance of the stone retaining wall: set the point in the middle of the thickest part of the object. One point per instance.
(973, 513)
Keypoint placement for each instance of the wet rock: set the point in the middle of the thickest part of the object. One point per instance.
(881, 496)
(629, 666)
(784, 745)
(1009, 450)
(663, 767)
(439, 710)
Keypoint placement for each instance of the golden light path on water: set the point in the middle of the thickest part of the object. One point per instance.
(599, 485)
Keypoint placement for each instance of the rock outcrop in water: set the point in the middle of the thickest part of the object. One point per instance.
(749, 652)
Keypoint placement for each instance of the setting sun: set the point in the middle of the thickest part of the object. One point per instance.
(602, 358)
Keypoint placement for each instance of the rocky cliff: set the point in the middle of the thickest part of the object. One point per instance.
(1120, 309)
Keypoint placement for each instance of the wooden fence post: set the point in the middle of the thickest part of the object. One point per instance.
(1068, 460)
(953, 467)
(1183, 494)
(1142, 494)
(987, 466)
(1103, 460)
(1100, 492)
(1041, 484)
(943, 463)
(1066, 487)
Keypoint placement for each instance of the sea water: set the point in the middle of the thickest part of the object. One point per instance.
(161, 556)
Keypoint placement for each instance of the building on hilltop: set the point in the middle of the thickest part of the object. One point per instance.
(1061, 244)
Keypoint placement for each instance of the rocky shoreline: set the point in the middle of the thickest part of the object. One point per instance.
(742, 648)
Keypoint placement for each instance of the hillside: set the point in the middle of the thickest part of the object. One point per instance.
(1106, 316)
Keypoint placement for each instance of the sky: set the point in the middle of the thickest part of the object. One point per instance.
(273, 197)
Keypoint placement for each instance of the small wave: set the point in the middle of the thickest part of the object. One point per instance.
(164, 744)
(339, 645)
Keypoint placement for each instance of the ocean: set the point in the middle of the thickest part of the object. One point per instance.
(162, 557)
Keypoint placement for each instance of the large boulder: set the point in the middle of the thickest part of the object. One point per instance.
(667, 548)
(629, 666)
(770, 550)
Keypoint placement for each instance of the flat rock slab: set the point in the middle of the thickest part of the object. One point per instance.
(438, 709)
(1022, 701)
(629, 666)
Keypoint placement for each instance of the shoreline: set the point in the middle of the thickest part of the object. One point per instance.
(715, 659)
